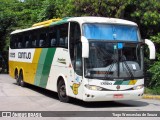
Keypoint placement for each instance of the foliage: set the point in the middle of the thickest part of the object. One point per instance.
(146, 14)
(155, 68)
(15, 14)
(153, 91)
(6, 20)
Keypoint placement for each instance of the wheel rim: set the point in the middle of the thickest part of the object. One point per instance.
(62, 91)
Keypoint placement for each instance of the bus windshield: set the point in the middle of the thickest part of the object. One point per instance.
(115, 52)
(110, 32)
(114, 60)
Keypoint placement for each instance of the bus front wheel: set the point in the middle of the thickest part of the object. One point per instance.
(62, 92)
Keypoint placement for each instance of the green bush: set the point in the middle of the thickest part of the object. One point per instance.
(153, 91)
(155, 68)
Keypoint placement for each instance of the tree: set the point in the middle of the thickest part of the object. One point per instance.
(146, 13)
(7, 20)
(17, 15)
(155, 68)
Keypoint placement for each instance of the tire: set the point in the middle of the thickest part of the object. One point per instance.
(21, 82)
(62, 92)
(17, 78)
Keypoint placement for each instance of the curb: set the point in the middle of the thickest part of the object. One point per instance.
(145, 96)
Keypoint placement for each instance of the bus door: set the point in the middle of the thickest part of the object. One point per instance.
(75, 47)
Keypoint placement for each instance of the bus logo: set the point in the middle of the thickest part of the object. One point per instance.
(118, 87)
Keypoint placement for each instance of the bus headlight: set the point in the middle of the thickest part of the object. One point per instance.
(93, 87)
(138, 87)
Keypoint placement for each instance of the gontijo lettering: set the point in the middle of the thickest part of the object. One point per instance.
(24, 55)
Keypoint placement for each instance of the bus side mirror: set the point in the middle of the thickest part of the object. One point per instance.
(85, 47)
(152, 50)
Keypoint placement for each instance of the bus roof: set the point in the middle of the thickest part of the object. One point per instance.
(92, 19)
(80, 20)
(27, 29)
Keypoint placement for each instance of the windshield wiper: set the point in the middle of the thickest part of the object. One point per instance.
(111, 66)
(125, 63)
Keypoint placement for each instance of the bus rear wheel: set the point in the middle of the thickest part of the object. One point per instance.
(62, 92)
(21, 81)
(17, 78)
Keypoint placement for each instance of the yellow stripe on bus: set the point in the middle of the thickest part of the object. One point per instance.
(132, 82)
(29, 69)
(34, 65)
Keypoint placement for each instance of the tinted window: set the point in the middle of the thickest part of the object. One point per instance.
(110, 32)
(42, 39)
(63, 35)
(34, 40)
(76, 47)
(56, 36)
(75, 34)
(17, 41)
(53, 37)
(27, 41)
(12, 41)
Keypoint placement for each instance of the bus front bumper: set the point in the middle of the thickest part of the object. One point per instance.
(91, 95)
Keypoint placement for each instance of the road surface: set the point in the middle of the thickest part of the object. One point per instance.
(31, 98)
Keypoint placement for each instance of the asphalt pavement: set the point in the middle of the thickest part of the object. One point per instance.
(32, 98)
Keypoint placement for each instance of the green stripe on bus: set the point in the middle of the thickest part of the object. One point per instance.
(40, 66)
(118, 82)
(64, 20)
(47, 67)
(126, 82)
(122, 82)
(44, 65)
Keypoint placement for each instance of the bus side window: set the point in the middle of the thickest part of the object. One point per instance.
(63, 34)
(75, 47)
(26, 41)
(53, 37)
(61, 42)
(19, 41)
(74, 37)
(53, 42)
(16, 44)
(27, 44)
(41, 43)
(34, 41)
(12, 41)
(19, 45)
(66, 41)
(42, 40)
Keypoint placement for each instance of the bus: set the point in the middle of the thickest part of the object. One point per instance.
(87, 58)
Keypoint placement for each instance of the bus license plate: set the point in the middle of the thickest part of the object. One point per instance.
(118, 96)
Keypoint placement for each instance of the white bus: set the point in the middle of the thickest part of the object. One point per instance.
(88, 58)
